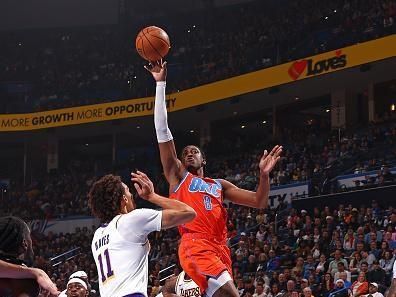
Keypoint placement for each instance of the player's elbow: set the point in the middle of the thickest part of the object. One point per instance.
(190, 213)
(178, 217)
(263, 204)
(186, 215)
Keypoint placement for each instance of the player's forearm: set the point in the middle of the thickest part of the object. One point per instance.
(8, 270)
(161, 114)
(166, 203)
(262, 191)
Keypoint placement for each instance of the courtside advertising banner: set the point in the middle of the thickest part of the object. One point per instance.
(287, 193)
(328, 62)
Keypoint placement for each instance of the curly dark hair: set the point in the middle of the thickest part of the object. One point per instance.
(105, 196)
(13, 231)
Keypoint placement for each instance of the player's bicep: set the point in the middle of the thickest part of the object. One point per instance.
(171, 164)
(173, 218)
(238, 195)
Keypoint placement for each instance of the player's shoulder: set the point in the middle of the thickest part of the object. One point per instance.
(225, 184)
(140, 213)
(139, 216)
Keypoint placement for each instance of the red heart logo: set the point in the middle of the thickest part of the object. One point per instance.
(297, 68)
(338, 53)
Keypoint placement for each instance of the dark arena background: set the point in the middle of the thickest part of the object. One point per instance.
(318, 77)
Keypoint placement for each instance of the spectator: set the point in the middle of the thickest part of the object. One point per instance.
(299, 268)
(354, 265)
(341, 269)
(273, 262)
(309, 267)
(340, 290)
(259, 292)
(275, 292)
(282, 285)
(307, 292)
(376, 274)
(387, 265)
(290, 288)
(360, 287)
(322, 266)
(333, 266)
(349, 241)
(327, 285)
(364, 267)
(368, 258)
(303, 283)
(347, 283)
(373, 291)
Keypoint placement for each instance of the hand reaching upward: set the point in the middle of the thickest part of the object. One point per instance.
(268, 161)
(158, 70)
(143, 184)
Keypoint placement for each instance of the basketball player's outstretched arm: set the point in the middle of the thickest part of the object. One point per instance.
(171, 164)
(8, 270)
(174, 212)
(258, 199)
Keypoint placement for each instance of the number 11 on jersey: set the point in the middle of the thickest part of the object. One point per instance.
(110, 272)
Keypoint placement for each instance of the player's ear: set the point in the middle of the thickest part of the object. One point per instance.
(24, 247)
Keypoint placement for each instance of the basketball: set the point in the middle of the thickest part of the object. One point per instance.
(152, 43)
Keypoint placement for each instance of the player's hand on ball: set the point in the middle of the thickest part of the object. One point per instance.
(143, 184)
(158, 70)
(268, 161)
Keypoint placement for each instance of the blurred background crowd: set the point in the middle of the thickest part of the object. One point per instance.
(283, 251)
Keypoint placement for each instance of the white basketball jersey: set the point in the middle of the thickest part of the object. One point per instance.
(120, 250)
(186, 287)
(394, 270)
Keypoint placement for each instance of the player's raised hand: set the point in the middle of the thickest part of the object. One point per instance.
(158, 70)
(268, 161)
(143, 184)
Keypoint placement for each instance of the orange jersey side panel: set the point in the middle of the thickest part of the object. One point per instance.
(205, 196)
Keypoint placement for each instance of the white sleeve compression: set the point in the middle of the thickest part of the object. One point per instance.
(161, 115)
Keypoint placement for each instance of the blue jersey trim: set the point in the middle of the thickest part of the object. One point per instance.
(181, 182)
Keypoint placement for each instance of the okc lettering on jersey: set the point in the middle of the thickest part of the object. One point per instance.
(199, 185)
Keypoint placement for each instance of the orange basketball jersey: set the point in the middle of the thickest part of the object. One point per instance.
(205, 196)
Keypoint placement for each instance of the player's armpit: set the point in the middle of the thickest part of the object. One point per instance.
(171, 164)
(238, 195)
